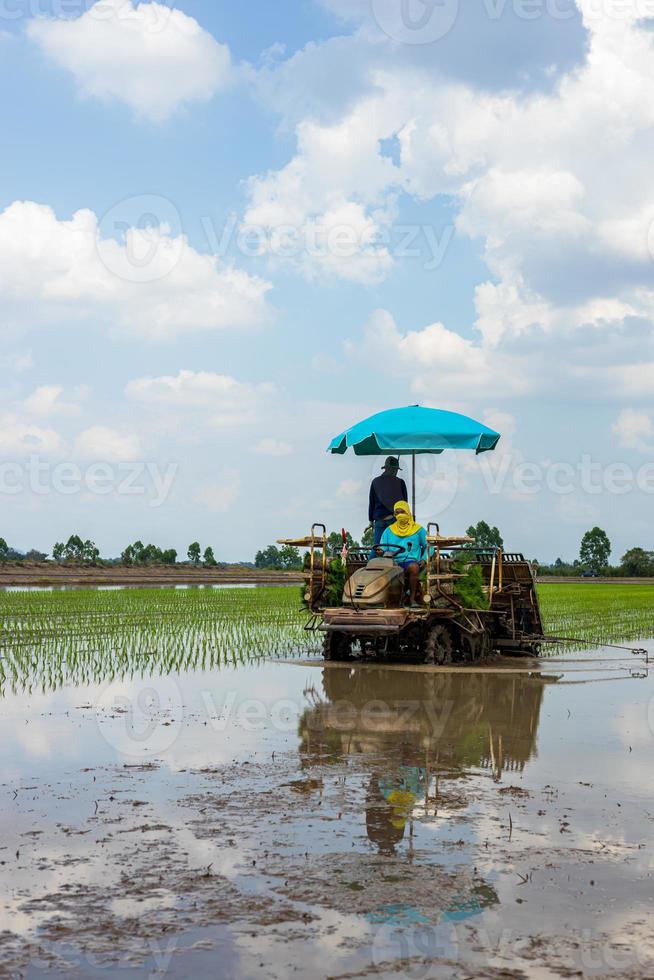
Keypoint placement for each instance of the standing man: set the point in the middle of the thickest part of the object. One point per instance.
(385, 491)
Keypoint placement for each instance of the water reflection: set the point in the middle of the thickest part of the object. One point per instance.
(417, 735)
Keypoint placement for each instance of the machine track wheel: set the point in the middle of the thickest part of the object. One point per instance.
(476, 646)
(439, 647)
(337, 646)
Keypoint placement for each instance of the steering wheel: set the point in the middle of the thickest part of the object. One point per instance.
(381, 550)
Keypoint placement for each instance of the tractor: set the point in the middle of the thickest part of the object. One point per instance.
(368, 616)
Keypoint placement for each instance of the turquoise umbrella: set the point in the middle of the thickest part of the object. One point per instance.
(412, 431)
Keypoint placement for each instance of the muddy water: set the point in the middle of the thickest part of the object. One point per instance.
(293, 818)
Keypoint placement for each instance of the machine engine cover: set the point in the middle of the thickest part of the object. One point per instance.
(379, 584)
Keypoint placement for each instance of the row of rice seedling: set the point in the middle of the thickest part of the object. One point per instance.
(52, 639)
(77, 637)
(598, 613)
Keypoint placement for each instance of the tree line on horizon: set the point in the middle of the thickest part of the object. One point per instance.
(77, 550)
(594, 554)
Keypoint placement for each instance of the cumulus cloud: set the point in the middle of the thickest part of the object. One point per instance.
(221, 399)
(491, 44)
(331, 200)
(101, 443)
(46, 401)
(149, 56)
(635, 430)
(434, 359)
(20, 438)
(532, 170)
(150, 284)
(615, 362)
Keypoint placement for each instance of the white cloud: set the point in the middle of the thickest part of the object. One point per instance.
(22, 438)
(222, 400)
(611, 359)
(100, 443)
(151, 284)
(46, 401)
(219, 496)
(151, 57)
(569, 245)
(432, 360)
(635, 430)
(273, 447)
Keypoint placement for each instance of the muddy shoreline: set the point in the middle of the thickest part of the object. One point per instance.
(46, 574)
(50, 575)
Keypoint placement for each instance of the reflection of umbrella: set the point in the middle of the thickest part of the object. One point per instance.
(412, 431)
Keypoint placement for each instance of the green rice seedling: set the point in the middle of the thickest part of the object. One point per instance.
(598, 613)
(76, 637)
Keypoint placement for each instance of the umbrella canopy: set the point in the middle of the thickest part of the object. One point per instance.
(415, 430)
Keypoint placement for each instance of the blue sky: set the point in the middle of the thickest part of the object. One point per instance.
(455, 209)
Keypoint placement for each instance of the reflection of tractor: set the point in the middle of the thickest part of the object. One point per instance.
(486, 720)
(414, 736)
(369, 609)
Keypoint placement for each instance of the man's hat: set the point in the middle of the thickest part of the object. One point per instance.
(392, 461)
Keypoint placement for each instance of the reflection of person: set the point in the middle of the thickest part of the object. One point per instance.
(389, 805)
(385, 491)
(412, 538)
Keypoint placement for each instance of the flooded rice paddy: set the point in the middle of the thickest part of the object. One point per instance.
(187, 790)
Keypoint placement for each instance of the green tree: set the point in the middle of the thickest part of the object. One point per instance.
(335, 542)
(367, 538)
(4, 550)
(90, 553)
(637, 563)
(485, 536)
(269, 557)
(58, 551)
(151, 555)
(34, 555)
(194, 552)
(209, 557)
(128, 556)
(169, 557)
(74, 548)
(138, 549)
(595, 549)
(290, 559)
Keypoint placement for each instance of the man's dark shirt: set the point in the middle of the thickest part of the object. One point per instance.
(385, 491)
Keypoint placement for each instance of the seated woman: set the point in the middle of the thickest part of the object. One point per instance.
(412, 537)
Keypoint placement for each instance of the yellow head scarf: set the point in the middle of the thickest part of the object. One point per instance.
(404, 525)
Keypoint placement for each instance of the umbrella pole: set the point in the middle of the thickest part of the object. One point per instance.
(413, 487)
